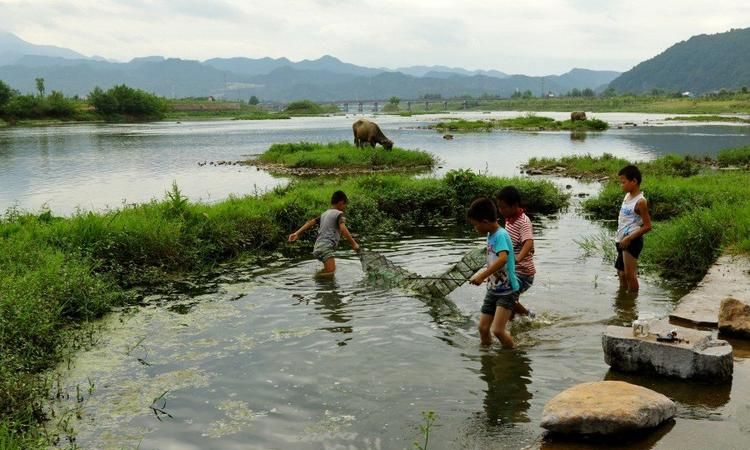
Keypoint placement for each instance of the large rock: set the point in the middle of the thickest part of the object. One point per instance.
(698, 356)
(734, 317)
(606, 407)
(729, 277)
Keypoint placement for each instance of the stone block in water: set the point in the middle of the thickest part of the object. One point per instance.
(734, 318)
(697, 356)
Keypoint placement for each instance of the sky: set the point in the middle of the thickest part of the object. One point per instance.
(537, 37)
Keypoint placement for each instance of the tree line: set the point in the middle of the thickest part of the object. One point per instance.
(118, 103)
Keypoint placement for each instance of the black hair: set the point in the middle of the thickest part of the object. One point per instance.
(509, 195)
(482, 209)
(339, 196)
(631, 172)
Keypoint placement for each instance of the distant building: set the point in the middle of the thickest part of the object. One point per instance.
(687, 94)
(211, 98)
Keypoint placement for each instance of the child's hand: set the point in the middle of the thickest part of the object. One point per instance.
(293, 237)
(356, 247)
(625, 242)
(476, 279)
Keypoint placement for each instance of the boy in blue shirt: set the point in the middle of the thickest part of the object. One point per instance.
(500, 274)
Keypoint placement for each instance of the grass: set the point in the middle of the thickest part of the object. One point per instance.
(714, 118)
(698, 211)
(607, 165)
(525, 123)
(57, 274)
(734, 157)
(262, 115)
(343, 155)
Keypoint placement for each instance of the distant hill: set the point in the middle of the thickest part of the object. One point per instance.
(701, 64)
(12, 48)
(271, 79)
(445, 71)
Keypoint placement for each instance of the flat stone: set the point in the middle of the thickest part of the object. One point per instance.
(734, 317)
(606, 407)
(697, 356)
(729, 277)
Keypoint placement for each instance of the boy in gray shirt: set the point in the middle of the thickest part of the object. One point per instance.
(332, 226)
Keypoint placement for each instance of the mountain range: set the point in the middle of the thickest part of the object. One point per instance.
(272, 79)
(703, 63)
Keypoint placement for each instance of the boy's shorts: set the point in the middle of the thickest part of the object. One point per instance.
(493, 300)
(635, 248)
(324, 252)
(526, 282)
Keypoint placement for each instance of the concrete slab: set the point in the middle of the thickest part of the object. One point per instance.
(729, 277)
(698, 356)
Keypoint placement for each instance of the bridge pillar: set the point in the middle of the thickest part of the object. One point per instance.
(376, 106)
(359, 107)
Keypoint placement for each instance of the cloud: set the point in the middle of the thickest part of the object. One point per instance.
(517, 37)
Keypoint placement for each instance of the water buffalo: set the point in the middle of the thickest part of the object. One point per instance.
(366, 132)
(577, 115)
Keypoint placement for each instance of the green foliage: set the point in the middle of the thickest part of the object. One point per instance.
(529, 122)
(253, 100)
(607, 165)
(429, 418)
(714, 118)
(307, 107)
(734, 157)
(343, 155)
(122, 101)
(5, 95)
(55, 105)
(262, 115)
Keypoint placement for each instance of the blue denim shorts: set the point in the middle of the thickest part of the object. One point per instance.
(526, 282)
(492, 300)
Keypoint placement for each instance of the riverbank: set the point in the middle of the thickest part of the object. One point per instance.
(700, 210)
(58, 274)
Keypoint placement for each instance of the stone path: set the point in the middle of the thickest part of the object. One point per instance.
(729, 277)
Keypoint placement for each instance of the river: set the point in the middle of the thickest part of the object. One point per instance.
(266, 356)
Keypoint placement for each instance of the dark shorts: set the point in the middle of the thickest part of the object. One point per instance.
(526, 282)
(324, 252)
(493, 300)
(635, 248)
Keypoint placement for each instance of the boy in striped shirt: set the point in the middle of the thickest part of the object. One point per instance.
(521, 231)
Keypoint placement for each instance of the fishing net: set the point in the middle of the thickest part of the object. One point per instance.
(381, 270)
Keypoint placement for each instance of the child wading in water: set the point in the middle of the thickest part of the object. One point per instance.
(521, 231)
(633, 222)
(331, 228)
(502, 284)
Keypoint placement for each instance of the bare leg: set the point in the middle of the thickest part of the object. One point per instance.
(631, 271)
(329, 268)
(623, 281)
(485, 322)
(502, 316)
(518, 308)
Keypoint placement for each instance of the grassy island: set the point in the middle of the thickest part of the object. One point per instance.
(340, 157)
(525, 123)
(700, 209)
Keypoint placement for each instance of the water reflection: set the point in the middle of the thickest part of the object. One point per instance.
(331, 305)
(507, 374)
(635, 440)
(693, 396)
(625, 307)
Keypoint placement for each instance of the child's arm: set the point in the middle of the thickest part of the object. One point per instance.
(479, 277)
(641, 208)
(294, 236)
(348, 236)
(528, 247)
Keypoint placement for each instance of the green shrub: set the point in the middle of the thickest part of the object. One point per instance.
(343, 155)
(734, 157)
(124, 101)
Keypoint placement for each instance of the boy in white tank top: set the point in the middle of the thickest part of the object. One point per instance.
(632, 223)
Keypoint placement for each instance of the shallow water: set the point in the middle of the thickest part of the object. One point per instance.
(104, 166)
(269, 356)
